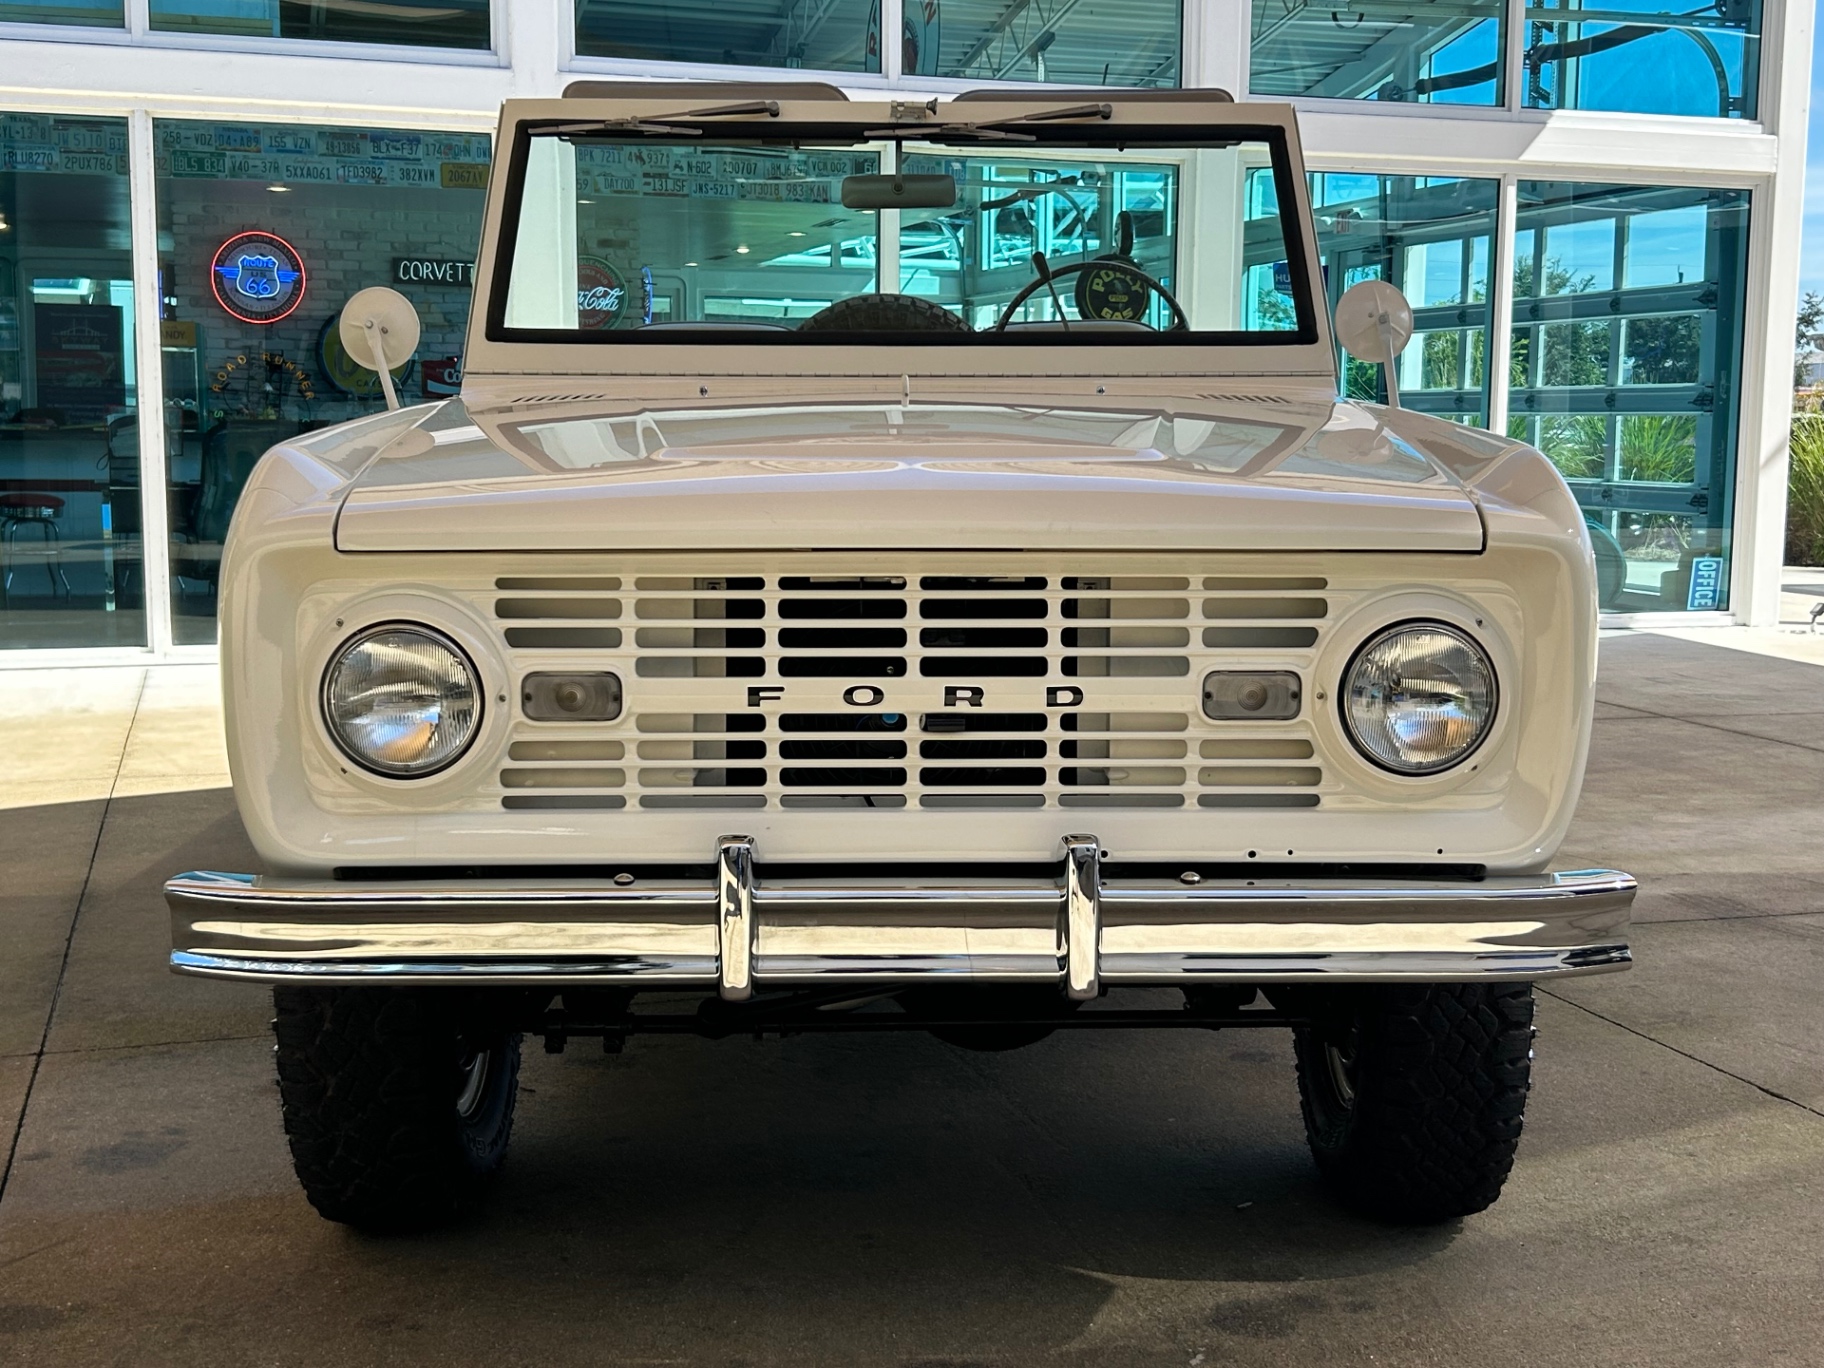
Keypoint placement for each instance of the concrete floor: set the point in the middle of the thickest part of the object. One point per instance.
(825, 1201)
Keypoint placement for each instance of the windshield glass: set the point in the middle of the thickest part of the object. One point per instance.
(624, 237)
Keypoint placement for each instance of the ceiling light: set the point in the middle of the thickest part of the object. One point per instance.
(279, 189)
(690, 263)
(741, 251)
(794, 233)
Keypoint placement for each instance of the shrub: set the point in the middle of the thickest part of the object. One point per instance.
(1660, 447)
(1805, 491)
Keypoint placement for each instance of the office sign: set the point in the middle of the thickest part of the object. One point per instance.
(1706, 591)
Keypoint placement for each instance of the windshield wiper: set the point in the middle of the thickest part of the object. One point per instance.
(995, 128)
(656, 123)
(1088, 111)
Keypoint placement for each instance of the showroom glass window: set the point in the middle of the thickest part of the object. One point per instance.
(410, 23)
(1428, 235)
(1627, 354)
(264, 232)
(71, 569)
(832, 35)
(1643, 57)
(98, 13)
(1391, 50)
(1083, 42)
(1093, 43)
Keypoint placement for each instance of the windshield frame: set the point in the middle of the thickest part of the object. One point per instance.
(1060, 138)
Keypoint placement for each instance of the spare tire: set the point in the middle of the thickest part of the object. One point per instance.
(884, 313)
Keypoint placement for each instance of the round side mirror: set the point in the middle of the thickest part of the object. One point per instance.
(379, 329)
(1373, 321)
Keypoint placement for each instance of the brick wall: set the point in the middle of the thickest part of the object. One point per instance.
(348, 237)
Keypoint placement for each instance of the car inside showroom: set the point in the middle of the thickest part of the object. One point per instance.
(908, 682)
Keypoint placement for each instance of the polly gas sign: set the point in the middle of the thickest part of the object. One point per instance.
(257, 276)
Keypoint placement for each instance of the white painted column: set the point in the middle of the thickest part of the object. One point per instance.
(1213, 183)
(892, 42)
(149, 361)
(537, 39)
(886, 241)
(1513, 49)
(1776, 224)
(542, 290)
(1501, 304)
(1216, 34)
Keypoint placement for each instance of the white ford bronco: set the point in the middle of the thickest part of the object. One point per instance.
(904, 566)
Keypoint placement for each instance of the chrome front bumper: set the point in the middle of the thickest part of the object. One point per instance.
(735, 934)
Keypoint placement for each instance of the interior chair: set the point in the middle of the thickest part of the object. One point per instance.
(38, 512)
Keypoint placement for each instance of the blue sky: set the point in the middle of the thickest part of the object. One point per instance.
(1811, 263)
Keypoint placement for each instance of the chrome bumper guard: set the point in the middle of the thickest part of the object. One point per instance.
(737, 933)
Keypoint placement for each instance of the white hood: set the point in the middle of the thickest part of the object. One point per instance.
(1245, 475)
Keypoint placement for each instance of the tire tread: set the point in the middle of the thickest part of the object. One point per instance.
(366, 1089)
(1442, 1076)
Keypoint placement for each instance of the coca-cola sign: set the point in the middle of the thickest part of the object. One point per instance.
(601, 293)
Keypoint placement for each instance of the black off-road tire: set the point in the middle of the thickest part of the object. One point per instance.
(398, 1102)
(884, 313)
(1413, 1097)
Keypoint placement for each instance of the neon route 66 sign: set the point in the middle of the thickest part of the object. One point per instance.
(257, 276)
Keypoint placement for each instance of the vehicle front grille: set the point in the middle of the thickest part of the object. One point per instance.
(936, 692)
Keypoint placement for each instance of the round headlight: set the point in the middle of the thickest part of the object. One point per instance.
(1419, 698)
(401, 700)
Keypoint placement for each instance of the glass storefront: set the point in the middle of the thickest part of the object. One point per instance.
(265, 230)
(837, 35)
(1637, 56)
(1626, 371)
(1626, 334)
(411, 23)
(1062, 42)
(1092, 43)
(415, 23)
(96, 13)
(70, 555)
(1380, 50)
(1643, 57)
(1428, 235)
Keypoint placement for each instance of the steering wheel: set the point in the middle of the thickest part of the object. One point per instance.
(1179, 321)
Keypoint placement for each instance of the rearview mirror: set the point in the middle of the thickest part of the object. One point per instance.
(1374, 323)
(898, 192)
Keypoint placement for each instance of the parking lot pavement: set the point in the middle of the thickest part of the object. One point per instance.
(1097, 1199)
